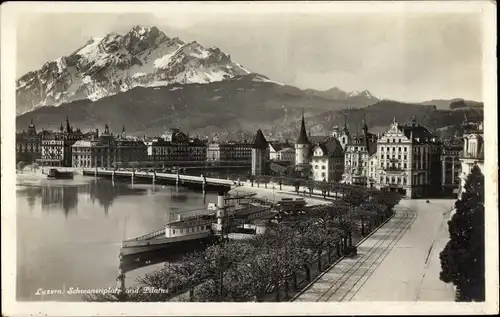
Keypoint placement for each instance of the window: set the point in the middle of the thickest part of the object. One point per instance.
(323, 174)
(207, 227)
(399, 140)
(404, 165)
(382, 156)
(173, 231)
(394, 149)
(405, 149)
(399, 149)
(393, 140)
(323, 167)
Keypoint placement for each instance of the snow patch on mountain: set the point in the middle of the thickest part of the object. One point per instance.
(115, 63)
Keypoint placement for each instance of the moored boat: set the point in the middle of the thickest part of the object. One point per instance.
(56, 174)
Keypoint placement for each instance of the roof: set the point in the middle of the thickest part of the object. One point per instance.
(302, 139)
(83, 143)
(417, 133)
(331, 147)
(260, 141)
(288, 149)
(278, 146)
(315, 139)
(277, 168)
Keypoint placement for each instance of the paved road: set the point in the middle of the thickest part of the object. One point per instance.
(399, 262)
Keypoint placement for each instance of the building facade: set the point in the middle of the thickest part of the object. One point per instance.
(260, 155)
(360, 153)
(176, 147)
(473, 150)
(232, 152)
(57, 146)
(276, 150)
(451, 166)
(108, 151)
(405, 156)
(327, 161)
(28, 145)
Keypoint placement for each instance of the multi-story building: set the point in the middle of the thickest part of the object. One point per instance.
(451, 166)
(360, 151)
(175, 147)
(28, 145)
(57, 146)
(473, 150)
(108, 151)
(229, 152)
(327, 161)
(276, 147)
(260, 155)
(405, 156)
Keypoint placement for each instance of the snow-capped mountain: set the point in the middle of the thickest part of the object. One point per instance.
(356, 97)
(364, 93)
(116, 63)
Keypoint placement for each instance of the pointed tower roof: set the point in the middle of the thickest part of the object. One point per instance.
(302, 134)
(260, 141)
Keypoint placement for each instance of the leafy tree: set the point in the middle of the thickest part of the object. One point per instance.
(462, 259)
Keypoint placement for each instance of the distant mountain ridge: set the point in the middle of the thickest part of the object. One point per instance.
(357, 97)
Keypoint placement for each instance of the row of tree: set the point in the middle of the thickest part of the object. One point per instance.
(326, 188)
(276, 261)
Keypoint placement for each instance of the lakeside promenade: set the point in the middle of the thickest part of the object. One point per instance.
(398, 262)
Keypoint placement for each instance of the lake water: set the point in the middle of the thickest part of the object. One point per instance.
(69, 232)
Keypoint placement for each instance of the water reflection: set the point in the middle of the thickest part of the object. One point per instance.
(66, 196)
(69, 232)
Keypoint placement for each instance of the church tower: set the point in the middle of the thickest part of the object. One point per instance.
(345, 136)
(302, 146)
(260, 155)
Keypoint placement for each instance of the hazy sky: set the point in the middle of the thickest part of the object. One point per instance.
(410, 57)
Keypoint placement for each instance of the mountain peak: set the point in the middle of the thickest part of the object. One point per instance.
(114, 63)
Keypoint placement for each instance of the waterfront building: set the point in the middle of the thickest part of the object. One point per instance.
(406, 159)
(230, 152)
(108, 151)
(57, 146)
(176, 147)
(360, 152)
(451, 166)
(28, 145)
(327, 161)
(260, 155)
(473, 150)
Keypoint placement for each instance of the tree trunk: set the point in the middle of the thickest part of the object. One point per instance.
(265, 185)
(363, 227)
(280, 186)
(308, 273)
(191, 294)
(319, 260)
(345, 242)
(286, 289)
(337, 245)
(350, 239)
(294, 278)
(277, 290)
(329, 255)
